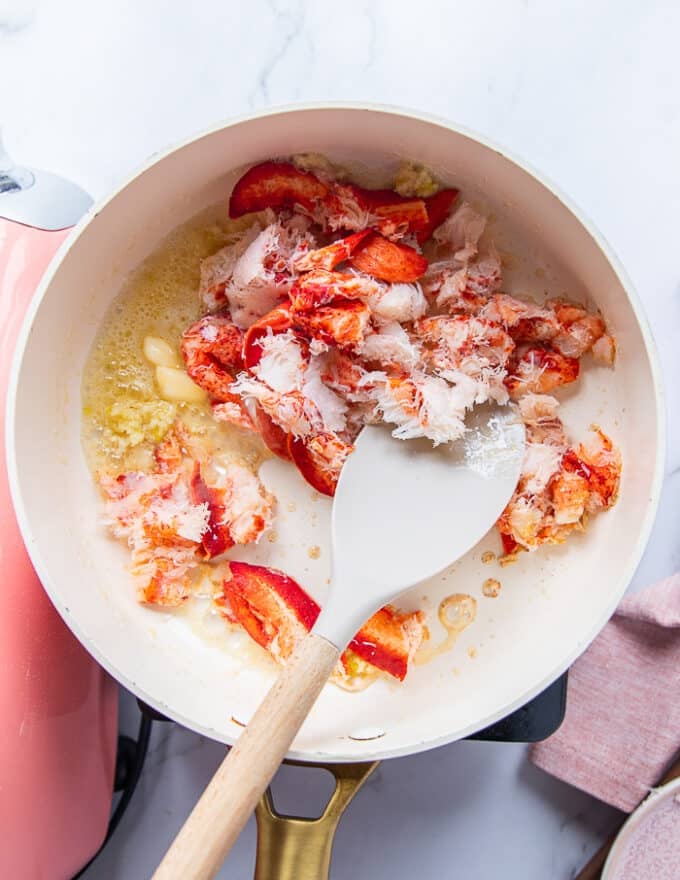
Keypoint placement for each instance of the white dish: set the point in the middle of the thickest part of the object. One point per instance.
(658, 816)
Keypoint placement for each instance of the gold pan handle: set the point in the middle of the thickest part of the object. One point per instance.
(293, 848)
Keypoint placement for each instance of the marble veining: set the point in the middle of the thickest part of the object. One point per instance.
(586, 92)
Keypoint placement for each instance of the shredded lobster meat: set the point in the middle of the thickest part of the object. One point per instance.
(250, 276)
(338, 307)
(559, 485)
(176, 516)
(424, 353)
(163, 528)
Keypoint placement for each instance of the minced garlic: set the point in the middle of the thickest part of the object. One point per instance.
(413, 179)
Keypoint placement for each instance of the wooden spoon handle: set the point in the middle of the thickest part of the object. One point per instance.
(232, 794)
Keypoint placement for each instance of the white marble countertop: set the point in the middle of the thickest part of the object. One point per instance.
(587, 92)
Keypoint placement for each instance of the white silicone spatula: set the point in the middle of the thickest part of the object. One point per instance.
(402, 512)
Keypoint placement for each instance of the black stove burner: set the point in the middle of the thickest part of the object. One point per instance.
(537, 720)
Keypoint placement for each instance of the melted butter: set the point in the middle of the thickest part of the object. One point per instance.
(123, 416)
(455, 614)
(357, 675)
(358, 682)
(206, 621)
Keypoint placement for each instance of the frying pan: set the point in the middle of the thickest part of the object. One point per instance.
(552, 603)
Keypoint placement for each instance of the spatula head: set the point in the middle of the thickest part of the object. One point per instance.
(404, 511)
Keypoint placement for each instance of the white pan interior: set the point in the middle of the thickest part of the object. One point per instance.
(551, 604)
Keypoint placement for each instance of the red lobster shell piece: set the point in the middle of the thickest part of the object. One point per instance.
(388, 260)
(276, 613)
(275, 185)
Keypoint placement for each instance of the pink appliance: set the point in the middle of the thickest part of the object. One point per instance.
(58, 707)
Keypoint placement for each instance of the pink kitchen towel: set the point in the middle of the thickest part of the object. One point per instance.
(622, 725)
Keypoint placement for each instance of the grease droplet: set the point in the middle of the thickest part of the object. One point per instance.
(455, 614)
(491, 588)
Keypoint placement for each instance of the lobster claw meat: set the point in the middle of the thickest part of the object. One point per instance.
(319, 459)
(280, 185)
(270, 606)
(388, 639)
(350, 206)
(438, 209)
(343, 323)
(217, 538)
(278, 321)
(401, 218)
(388, 260)
(391, 208)
(277, 613)
(330, 256)
(275, 438)
(212, 349)
(599, 464)
(585, 480)
(321, 286)
(539, 370)
(275, 185)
